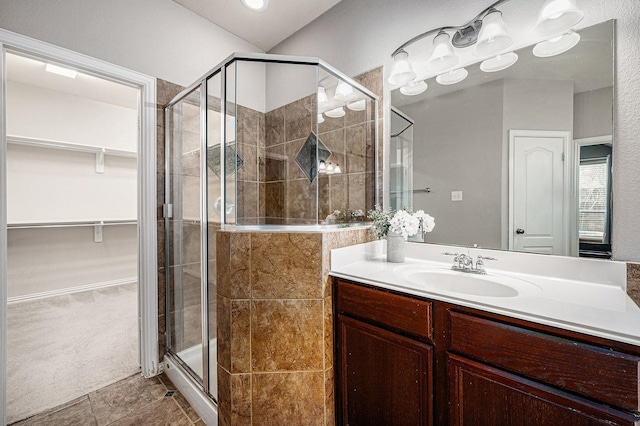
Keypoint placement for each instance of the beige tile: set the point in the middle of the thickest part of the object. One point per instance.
(301, 199)
(372, 80)
(164, 411)
(248, 125)
(179, 398)
(338, 192)
(633, 281)
(75, 413)
(334, 141)
(274, 127)
(328, 332)
(287, 335)
(330, 400)
(223, 315)
(124, 398)
(274, 199)
(240, 336)
(249, 169)
(286, 265)
(240, 265)
(224, 395)
(356, 147)
(288, 399)
(291, 151)
(241, 399)
(247, 201)
(357, 192)
(223, 263)
(299, 118)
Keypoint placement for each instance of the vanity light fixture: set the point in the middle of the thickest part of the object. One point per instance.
(344, 92)
(402, 72)
(323, 99)
(414, 88)
(357, 105)
(499, 63)
(452, 77)
(489, 36)
(66, 72)
(556, 45)
(335, 113)
(256, 5)
(442, 56)
(556, 16)
(494, 37)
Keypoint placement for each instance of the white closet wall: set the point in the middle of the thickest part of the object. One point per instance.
(49, 186)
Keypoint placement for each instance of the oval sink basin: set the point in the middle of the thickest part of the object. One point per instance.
(489, 285)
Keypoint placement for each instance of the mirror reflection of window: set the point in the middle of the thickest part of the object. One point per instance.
(594, 212)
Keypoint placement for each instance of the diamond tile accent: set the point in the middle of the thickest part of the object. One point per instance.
(312, 152)
(233, 159)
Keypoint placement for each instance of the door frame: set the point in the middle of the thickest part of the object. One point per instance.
(147, 203)
(570, 220)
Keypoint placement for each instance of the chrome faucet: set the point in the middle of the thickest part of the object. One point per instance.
(464, 263)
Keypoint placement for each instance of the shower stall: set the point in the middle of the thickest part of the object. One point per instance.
(261, 142)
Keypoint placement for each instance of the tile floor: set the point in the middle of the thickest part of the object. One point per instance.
(131, 401)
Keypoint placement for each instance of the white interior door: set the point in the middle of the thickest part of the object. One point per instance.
(539, 192)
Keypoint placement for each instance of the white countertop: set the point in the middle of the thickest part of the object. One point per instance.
(582, 295)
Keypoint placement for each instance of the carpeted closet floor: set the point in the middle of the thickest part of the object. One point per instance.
(63, 347)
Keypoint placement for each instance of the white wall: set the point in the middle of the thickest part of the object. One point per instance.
(37, 113)
(591, 114)
(358, 35)
(457, 146)
(156, 37)
(42, 260)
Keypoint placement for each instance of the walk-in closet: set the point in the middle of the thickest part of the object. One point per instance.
(72, 266)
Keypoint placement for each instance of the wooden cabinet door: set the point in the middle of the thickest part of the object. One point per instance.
(383, 378)
(481, 395)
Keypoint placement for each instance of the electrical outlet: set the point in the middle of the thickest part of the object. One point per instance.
(456, 195)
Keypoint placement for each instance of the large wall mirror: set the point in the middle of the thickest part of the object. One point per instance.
(518, 159)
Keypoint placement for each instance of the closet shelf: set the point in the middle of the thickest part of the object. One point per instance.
(33, 225)
(69, 146)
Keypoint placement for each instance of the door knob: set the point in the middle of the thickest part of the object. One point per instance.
(519, 231)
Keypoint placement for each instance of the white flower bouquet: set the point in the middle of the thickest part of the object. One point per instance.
(400, 222)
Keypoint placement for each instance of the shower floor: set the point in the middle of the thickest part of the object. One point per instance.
(193, 358)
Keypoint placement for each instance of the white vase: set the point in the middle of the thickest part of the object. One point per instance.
(395, 248)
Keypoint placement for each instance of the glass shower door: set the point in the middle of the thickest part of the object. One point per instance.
(184, 255)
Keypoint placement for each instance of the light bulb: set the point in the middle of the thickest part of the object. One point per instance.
(556, 16)
(556, 45)
(499, 63)
(452, 77)
(442, 57)
(323, 99)
(337, 169)
(494, 36)
(344, 92)
(329, 169)
(414, 88)
(322, 167)
(402, 72)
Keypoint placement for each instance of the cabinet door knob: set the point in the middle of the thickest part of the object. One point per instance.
(519, 231)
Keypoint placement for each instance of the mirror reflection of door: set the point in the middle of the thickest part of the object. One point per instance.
(401, 161)
(538, 196)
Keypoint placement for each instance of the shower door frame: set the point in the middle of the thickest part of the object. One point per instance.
(147, 203)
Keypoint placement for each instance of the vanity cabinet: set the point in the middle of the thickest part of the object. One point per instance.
(384, 359)
(407, 360)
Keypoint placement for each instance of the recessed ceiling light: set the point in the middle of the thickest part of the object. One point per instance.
(257, 5)
(55, 69)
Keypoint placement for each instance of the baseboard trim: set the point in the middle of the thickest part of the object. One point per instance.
(71, 290)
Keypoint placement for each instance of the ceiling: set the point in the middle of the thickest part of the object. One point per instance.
(262, 29)
(30, 71)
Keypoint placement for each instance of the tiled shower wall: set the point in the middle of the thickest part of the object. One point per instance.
(290, 196)
(275, 326)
